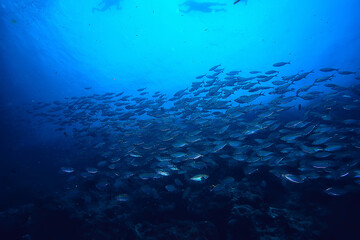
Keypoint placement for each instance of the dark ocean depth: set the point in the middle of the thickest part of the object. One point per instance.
(178, 120)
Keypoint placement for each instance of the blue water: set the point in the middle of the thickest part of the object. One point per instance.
(54, 50)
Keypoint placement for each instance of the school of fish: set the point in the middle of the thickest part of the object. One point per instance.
(252, 122)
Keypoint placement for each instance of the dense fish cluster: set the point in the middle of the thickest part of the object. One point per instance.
(244, 121)
(234, 154)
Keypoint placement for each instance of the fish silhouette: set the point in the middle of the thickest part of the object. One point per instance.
(205, 7)
(106, 5)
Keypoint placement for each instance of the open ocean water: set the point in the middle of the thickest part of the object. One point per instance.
(178, 120)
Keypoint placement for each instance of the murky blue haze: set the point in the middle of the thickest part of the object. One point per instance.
(183, 119)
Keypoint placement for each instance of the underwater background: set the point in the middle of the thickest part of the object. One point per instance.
(183, 119)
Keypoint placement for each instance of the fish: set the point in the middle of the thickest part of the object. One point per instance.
(301, 76)
(333, 191)
(328, 69)
(204, 7)
(228, 180)
(334, 147)
(170, 188)
(232, 73)
(323, 79)
(214, 67)
(291, 137)
(271, 72)
(122, 197)
(280, 64)
(163, 173)
(303, 89)
(67, 169)
(322, 164)
(278, 83)
(199, 178)
(106, 5)
(92, 170)
(294, 178)
(346, 72)
(321, 140)
(200, 76)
